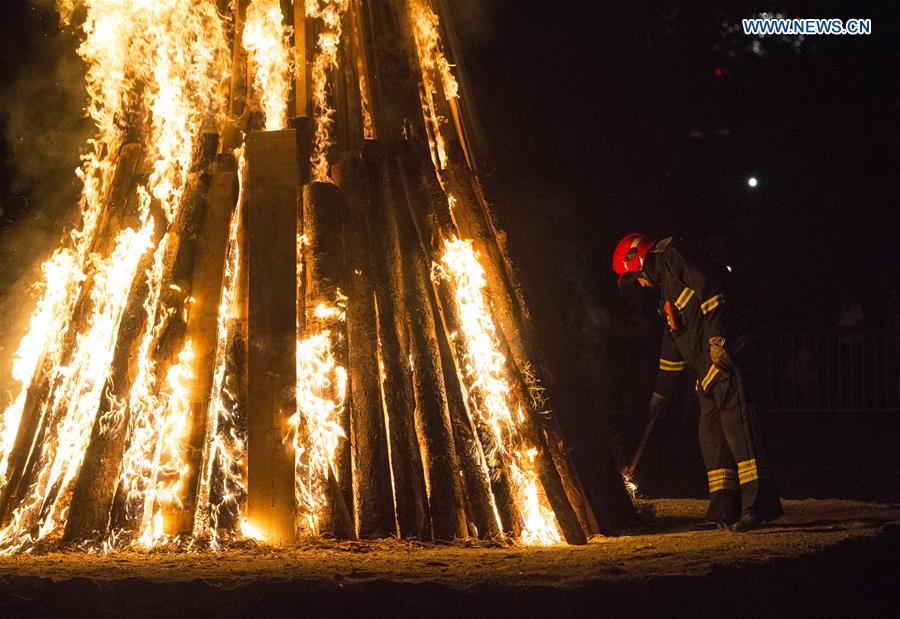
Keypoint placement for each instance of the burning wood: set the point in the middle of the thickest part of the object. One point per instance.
(236, 351)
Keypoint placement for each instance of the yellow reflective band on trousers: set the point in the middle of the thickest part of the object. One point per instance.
(712, 303)
(672, 366)
(710, 375)
(747, 471)
(683, 299)
(722, 479)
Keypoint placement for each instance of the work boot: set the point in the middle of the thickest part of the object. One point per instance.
(755, 519)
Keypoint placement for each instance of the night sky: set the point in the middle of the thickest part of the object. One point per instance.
(590, 109)
(602, 119)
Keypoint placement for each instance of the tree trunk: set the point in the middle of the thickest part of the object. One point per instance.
(202, 325)
(95, 488)
(23, 456)
(433, 416)
(371, 480)
(411, 497)
(325, 276)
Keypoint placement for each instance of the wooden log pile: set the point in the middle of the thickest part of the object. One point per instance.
(358, 407)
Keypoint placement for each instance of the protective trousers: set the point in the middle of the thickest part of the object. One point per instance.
(739, 474)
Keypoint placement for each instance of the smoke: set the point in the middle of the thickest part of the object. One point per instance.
(473, 20)
(45, 131)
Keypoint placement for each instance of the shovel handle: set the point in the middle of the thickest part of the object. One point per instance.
(640, 450)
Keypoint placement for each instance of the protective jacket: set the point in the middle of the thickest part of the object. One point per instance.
(697, 308)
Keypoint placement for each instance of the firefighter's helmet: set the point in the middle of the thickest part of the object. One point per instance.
(629, 254)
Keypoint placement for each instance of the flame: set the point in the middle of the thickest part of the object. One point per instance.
(489, 390)
(106, 52)
(435, 69)
(269, 51)
(73, 402)
(156, 69)
(431, 52)
(364, 97)
(316, 425)
(171, 468)
(251, 531)
(225, 442)
(138, 75)
(631, 487)
(324, 63)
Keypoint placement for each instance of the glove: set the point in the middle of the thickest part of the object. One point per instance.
(719, 355)
(658, 405)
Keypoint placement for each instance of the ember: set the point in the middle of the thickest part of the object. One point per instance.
(268, 325)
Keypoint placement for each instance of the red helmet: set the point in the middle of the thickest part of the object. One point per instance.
(629, 254)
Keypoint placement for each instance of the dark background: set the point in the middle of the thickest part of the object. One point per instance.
(602, 119)
(607, 118)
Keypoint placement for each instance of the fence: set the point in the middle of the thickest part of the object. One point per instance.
(834, 372)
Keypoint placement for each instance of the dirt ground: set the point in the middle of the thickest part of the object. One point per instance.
(839, 557)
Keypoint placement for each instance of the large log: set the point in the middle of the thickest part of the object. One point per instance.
(325, 285)
(347, 93)
(462, 109)
(372, 500)
(482, 441)
(303, 134)
(170, 319)
(95, 488)
(432, 413)
(240, 77)
(33, 426)
(508, 301)
(393, 87)
(433, 225)
(202, 324)
(510, 312)
(228, 486)
(431, 213)
(361, 60)
(410, 494)
(422, 188)
(474, 474)
(271, 330)
(222, 488)
(537, 437)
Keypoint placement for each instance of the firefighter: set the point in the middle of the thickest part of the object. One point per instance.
(707, 334)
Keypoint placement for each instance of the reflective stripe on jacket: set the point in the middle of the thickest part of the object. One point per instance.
(701, 305)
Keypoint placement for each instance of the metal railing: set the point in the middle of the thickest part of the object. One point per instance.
(835, 371)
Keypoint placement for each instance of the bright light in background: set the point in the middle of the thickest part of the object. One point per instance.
(752, 182)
